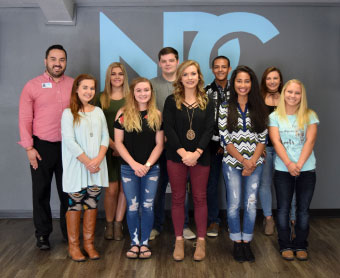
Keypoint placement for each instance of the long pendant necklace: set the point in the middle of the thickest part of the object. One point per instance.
(190, 133)
(91, 131)
(88, 117)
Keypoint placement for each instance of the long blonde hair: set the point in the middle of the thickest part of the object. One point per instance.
(302, 113)
(105, 97)
(202, 98)
(132, 118)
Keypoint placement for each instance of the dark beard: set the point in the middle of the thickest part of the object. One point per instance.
(50, 72)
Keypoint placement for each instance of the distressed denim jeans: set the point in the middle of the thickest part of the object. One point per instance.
(140, 194)
(235, 184)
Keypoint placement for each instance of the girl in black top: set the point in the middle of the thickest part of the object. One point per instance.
(271, 86)
(139, 141)
(188, 126)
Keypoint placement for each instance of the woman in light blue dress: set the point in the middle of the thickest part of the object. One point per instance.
(85, 140)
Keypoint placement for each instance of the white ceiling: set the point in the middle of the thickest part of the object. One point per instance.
(35, 3)
(62, 11)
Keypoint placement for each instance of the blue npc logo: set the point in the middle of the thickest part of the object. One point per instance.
(114, 44)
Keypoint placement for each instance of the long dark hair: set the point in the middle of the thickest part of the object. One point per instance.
(256, 107)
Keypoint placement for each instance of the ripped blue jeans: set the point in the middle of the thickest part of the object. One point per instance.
(140, 194)
(235, 184)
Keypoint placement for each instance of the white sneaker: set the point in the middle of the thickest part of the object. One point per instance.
(154, 233)
(188, 234)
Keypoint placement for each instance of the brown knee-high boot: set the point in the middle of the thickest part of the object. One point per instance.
(73, 224)
(89, 226)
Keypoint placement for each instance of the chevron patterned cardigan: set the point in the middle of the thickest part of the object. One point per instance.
(243, 138)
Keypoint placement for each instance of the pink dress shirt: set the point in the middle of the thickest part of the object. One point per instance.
(42, 103)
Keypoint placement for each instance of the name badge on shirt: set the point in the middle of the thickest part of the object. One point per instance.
(46, 85)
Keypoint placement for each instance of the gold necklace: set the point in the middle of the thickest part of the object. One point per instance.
(191, 133)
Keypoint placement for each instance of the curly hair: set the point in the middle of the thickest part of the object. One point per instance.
(256, 107)
(132, 118)
(75, 103)
(179, 91)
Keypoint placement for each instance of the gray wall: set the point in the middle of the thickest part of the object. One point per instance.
(307, 48)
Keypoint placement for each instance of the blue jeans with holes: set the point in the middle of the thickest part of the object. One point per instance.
(235, 184)
(304, 185)
(140, 193)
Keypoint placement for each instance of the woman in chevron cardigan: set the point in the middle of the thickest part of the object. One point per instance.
(243, 129)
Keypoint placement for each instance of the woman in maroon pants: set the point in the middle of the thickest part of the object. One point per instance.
(188, 126)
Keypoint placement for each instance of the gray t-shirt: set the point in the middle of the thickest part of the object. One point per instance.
(163, 89)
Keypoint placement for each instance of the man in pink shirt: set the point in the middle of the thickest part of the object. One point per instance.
(42, 102)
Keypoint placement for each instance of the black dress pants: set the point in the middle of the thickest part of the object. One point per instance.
(50, 164)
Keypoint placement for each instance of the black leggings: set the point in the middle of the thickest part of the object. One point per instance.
(87, 198)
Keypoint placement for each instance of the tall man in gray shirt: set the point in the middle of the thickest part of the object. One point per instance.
(162, 85)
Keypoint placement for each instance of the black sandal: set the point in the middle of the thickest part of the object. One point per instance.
(142, 253)
(134, 254)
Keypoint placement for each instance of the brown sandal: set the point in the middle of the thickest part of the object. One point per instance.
(132, 254)
(142, 254)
